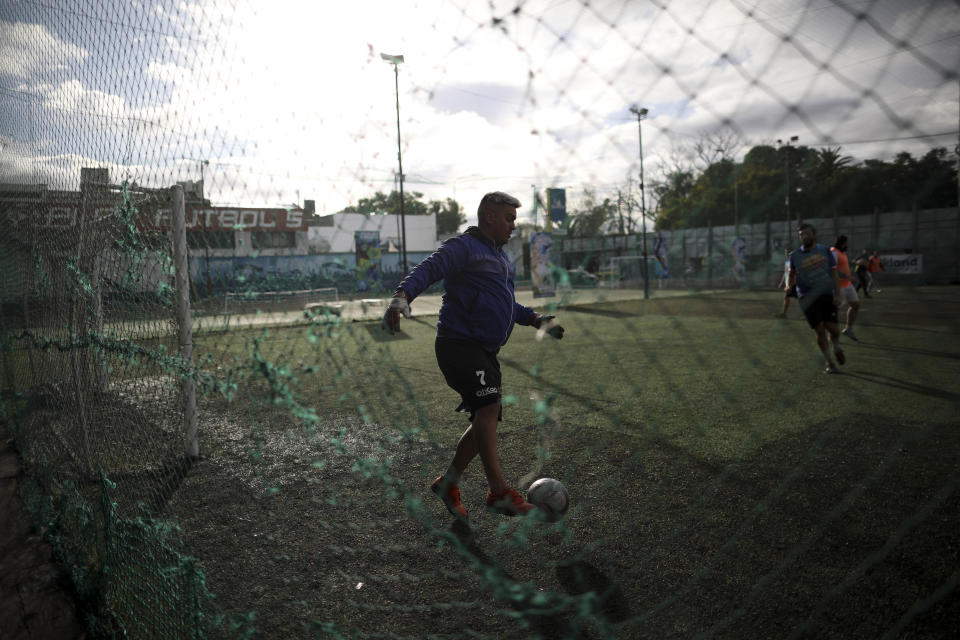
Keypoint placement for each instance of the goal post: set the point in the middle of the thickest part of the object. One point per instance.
(237, 301)
(625, 272)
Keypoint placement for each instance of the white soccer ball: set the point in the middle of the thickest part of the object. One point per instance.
(550, 495)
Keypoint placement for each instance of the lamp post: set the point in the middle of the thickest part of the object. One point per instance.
(956, 233)
(787, 172)
(203, 187)
(641, 113)
(736, 197)
(201, 163)
(736, 182)
(206, 239)
(396, 60)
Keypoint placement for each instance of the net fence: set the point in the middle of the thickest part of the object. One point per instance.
(207, 205)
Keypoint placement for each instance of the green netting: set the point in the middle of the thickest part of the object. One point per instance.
(201, 233)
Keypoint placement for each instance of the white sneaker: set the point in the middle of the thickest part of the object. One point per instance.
(849, 334)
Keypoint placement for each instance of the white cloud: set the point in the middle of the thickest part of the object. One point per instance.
(30, 49)
(293, 97)
(72, 96)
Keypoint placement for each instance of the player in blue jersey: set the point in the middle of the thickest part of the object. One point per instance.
(813, 270)
(476, 318)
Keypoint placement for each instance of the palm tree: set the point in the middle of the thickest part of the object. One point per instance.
(829, 161)
(828, 175)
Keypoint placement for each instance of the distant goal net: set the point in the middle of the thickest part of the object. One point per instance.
(625, 272)
(235, 302)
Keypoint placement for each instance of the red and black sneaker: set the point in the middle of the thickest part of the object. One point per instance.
(450, 497)
(509, 503)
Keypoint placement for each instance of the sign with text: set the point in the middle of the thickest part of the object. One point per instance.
(903, 263)
(152, 219)
(227, 219)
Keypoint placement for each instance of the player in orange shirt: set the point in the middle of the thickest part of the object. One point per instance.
(848, 292)
(875, 266)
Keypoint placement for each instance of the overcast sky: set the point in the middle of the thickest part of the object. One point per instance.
(289, 100)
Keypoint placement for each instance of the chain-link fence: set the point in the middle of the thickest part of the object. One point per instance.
(221, 440)
(918, 248)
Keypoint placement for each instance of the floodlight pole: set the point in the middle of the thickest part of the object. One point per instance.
(641, 114)
(736, 184)
(201, 162)
(396, 60)
(206, 240)
(203, 187)
(787, 172)
(956, 234)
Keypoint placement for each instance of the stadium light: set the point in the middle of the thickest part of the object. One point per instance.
(641, 114)
(396, 60)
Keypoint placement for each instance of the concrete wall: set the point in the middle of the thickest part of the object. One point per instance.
(339, 238)
(933, 234)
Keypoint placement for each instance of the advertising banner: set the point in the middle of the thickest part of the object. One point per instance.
(368, 259)
(903, 263)
(540, 275)
(150, 218)
(557, 201)
(226, 219)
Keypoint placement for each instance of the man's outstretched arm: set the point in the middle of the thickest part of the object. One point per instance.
(451, 256)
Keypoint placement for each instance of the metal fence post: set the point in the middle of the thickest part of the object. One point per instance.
(182, 281)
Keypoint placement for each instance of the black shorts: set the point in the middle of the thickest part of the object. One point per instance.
(791, 292)
(470, 371)
(820, 309)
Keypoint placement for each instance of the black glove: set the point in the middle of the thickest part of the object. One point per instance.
(546, 324)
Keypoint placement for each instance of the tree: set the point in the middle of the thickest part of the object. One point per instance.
(592, 218)
(672, 195)
(933, 181)
(720, 145)
(760, 183)
(390, 204)
(449, 215)
(829, 162)
(449, 212)
(829, 178)
(822, 182)
(626, 203)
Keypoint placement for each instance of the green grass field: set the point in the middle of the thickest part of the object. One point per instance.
(722, 485)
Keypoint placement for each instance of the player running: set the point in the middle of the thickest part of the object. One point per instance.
(848, 293)
(813, 270)
(875, 266)
(477, 315)
(788, 292)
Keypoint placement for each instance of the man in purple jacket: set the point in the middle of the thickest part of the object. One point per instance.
(476, 318)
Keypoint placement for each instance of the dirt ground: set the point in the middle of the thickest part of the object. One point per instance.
(34, 601)
(769, 550)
